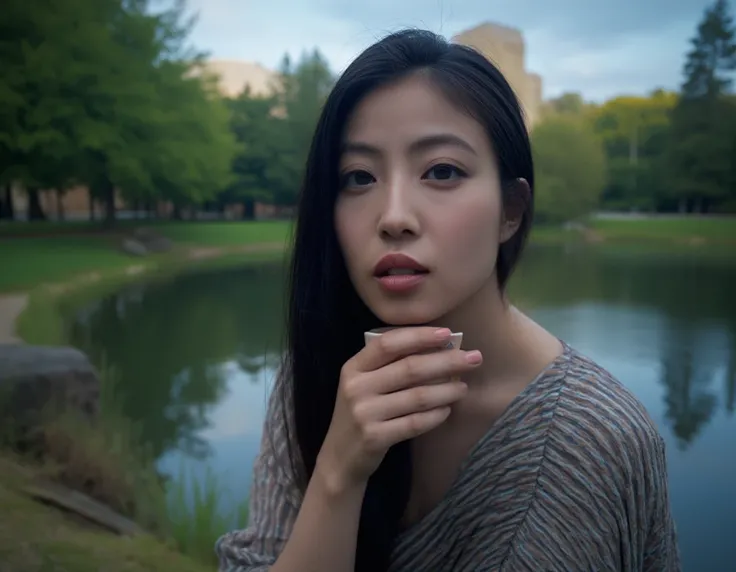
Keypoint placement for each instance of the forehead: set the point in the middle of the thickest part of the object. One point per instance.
(408, 109)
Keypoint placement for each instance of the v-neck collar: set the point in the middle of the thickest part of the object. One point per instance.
(504, 423)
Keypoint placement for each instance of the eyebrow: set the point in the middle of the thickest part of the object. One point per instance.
(422, 144)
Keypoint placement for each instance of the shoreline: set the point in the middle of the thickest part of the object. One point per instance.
(16, 321)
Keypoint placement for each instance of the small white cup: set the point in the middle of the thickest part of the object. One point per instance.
(456, 338)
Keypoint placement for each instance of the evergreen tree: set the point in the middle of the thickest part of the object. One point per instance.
(712, 57)
(702, 146)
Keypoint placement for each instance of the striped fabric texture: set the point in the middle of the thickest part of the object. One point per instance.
(571, 478)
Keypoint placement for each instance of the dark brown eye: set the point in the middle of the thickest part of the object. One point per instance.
(444, 172)
(358, 178)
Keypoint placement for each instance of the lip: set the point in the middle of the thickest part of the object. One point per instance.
(397, 260)
(399, 283)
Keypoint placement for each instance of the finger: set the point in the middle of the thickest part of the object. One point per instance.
(412, 400)
(398, 343)
(410, 426)
(420, 369)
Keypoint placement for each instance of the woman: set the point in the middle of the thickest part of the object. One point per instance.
(513, 453)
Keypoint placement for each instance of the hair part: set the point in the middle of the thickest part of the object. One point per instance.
(325, 316)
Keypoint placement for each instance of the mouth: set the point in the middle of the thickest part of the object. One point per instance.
(399, 274)
(398, 265)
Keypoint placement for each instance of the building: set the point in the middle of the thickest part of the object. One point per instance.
(505, 47)
(235, 75)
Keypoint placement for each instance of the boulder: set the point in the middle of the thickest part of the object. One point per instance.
(134, 247)
(34, 377)
(152, 240)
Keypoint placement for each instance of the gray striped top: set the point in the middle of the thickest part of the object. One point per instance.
(572, 477)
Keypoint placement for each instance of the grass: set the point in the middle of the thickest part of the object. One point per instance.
(106, 459)
(36, 538)
(196, 515)
(43, 321)
(720, 230)
(60, 255)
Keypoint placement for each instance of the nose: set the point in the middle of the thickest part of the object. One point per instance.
(398, 217)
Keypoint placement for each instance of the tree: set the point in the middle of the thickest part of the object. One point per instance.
(304, 90)
(100, 93)
(634, 131)
(703, 146)
(570, 169)
(566, 104)
(256, 130)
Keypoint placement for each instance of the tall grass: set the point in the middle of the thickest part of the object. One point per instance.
(197, 516)
(107, 459)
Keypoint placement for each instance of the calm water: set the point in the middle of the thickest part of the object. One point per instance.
(196, 357)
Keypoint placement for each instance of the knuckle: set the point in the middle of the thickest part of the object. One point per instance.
(411, 369)
(414, 425)
(359, 411)
(351, 388)
(422, 398)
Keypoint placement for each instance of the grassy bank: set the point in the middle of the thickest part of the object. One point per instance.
(36, 253)
(106, 459)
(677, 230)
(35, 537)
(52, 254)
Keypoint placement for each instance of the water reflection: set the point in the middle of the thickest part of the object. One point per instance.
(671, 310)
(196, 355)
(175, 344)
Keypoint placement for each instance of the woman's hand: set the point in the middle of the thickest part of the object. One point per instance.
(397, 387)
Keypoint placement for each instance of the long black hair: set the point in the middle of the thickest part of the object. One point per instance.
(326, 318)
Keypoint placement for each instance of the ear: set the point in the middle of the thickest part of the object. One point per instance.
(516, 199)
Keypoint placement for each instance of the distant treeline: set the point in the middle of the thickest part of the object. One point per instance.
(109, 95)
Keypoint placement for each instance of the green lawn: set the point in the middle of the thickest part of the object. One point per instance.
(35, 253)
(712, 229)
(60, 255)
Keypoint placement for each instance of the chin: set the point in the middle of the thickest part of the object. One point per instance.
(404, 313)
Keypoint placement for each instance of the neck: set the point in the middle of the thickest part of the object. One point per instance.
(505, 337)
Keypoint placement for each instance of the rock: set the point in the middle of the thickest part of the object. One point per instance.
(134, 247)
(33, 377)
(159, 244)
(151, 240)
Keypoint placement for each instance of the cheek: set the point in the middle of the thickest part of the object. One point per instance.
(348, 231)
(473, 228)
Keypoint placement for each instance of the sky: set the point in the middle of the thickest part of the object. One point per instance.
(599, 48)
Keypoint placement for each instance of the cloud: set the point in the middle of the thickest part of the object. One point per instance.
(598, 48)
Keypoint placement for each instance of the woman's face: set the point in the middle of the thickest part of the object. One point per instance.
(419, 179)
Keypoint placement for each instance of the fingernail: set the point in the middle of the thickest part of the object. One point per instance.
(474, 357)
(442, 333)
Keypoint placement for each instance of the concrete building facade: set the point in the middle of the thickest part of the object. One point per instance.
(506, 48)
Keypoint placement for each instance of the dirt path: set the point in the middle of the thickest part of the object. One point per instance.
(11, 306)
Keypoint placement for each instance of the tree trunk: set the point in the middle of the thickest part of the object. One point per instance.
(91, 197)
(59, 204)
(176, 212)
(7, 211)
(249, 209)
(108, 197)
(35, 212)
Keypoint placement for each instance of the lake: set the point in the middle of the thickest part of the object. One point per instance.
(196, 357)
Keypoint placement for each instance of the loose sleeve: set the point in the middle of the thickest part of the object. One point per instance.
(274, 503)
(661, 553)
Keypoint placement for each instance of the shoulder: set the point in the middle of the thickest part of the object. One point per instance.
(602, 423)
